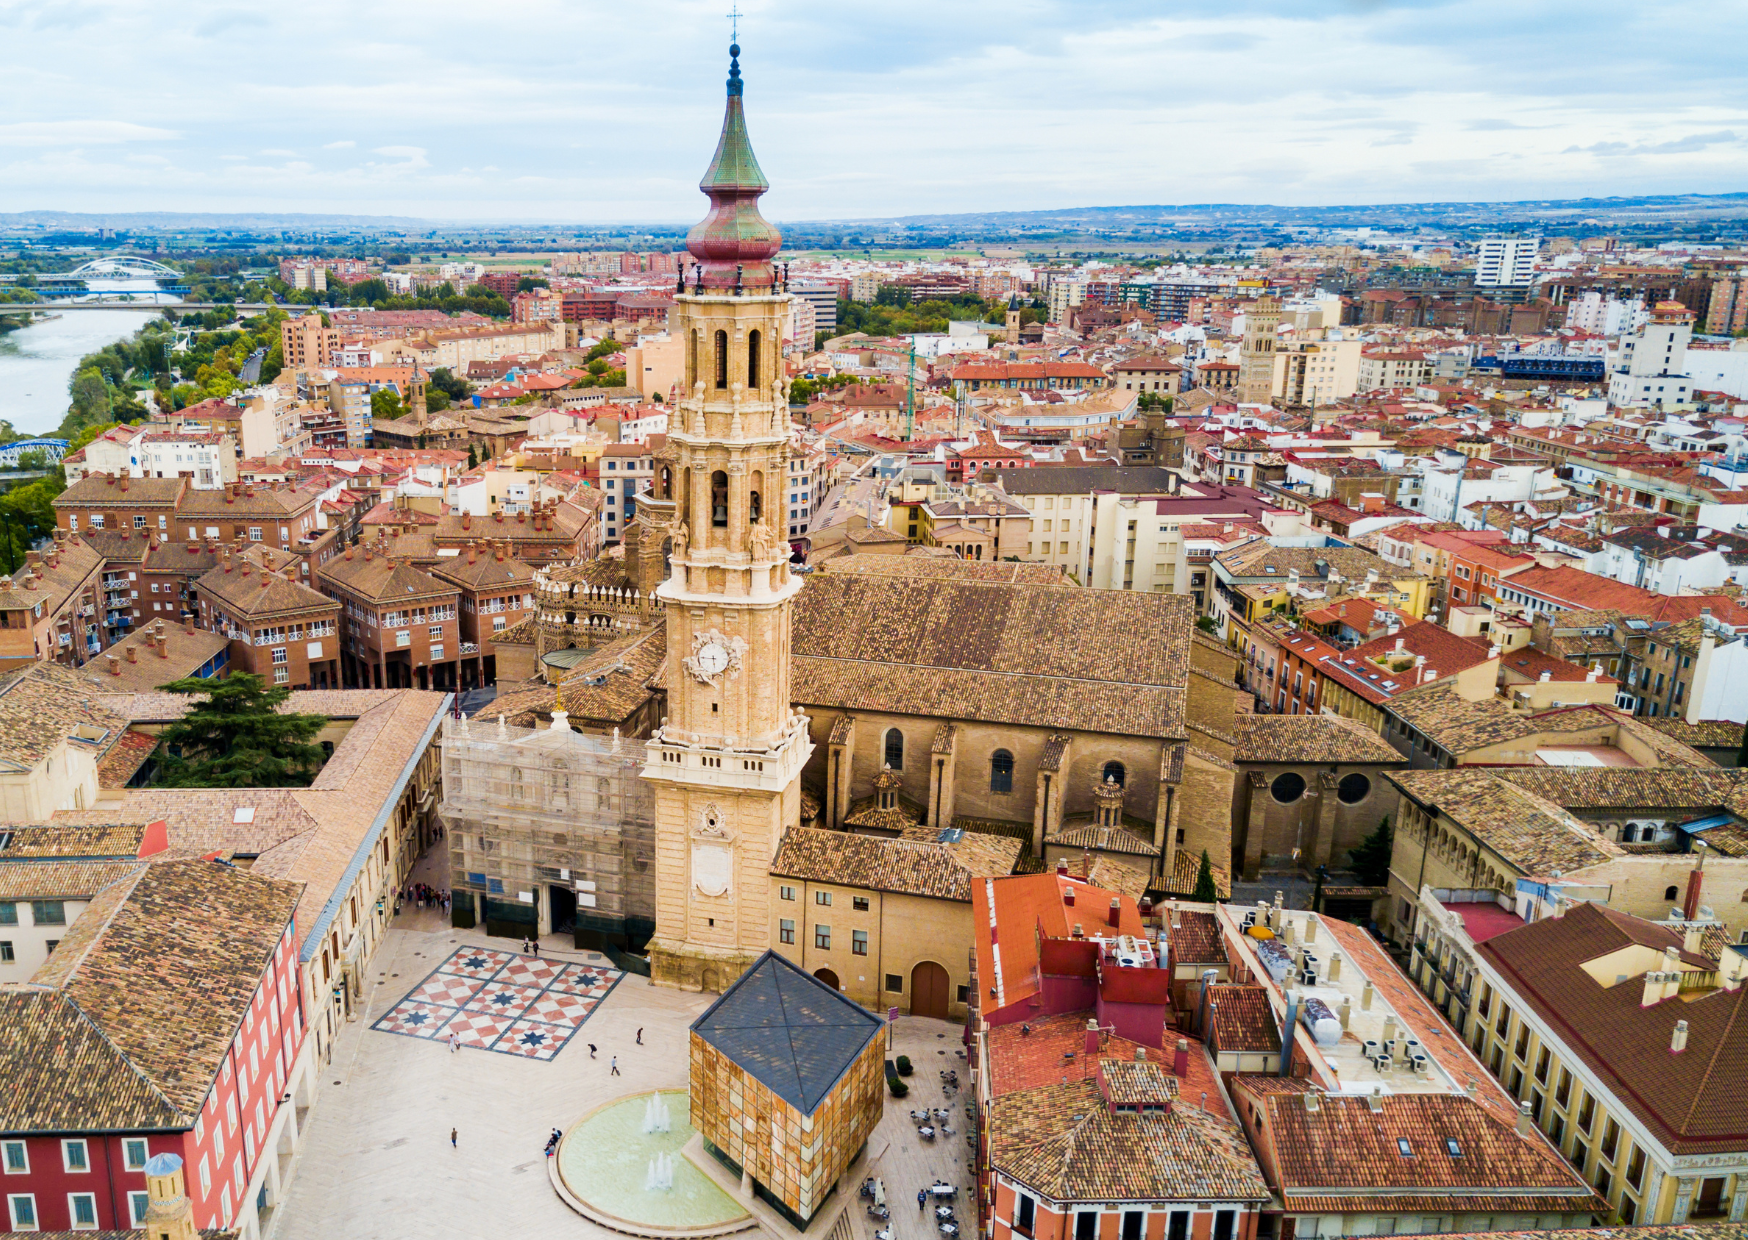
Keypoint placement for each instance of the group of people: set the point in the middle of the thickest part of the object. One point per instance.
(552, 1142)
(424, 896)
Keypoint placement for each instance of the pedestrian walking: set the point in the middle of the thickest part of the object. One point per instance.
(640, 1035)
(536, 948)
(614, 1066)
(922, 1197)
(591, 1050)
(452, 1144)
(453, 1043)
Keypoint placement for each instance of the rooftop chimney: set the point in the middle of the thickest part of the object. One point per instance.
(1068, 891)
(1180, 1059)
(1544, 678)
(1311, 1100)
(1677, 1039)
(132, 653)
(1524, 1120)
(1115, 916)
(1375, 1099)
(114, 665)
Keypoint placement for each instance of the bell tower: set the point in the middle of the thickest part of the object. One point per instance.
(726, 762)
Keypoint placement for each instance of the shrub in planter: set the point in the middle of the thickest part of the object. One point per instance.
(898, 1087)
(904, 1065)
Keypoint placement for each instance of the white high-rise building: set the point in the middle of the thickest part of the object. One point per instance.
(1652, 367)
(1506, 262)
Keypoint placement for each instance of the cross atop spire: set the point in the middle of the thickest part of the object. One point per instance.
(734, 20)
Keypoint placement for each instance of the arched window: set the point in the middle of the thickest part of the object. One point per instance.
(1288, 788)
(722, 359)
(1353, 788)
(754, 507)
(1001, 771)
(753, 359)
(1669, 893)
(895, 749)
(1113, 773)
(1629, 833)
(667, 476)
(719, 499)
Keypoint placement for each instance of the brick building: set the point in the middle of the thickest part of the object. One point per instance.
(497, 591)
(281, 630)
(398, 625)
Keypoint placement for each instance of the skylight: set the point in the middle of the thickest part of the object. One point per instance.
(1403, 1148)
(1452, 1148)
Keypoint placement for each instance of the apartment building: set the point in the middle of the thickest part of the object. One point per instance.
(1651, 369)
(280, 629)
(1316, 372)
(1616, 1034)
(1392, 368)
(307, 343)
(496, 592)
(49, 607)
(1121, 527)
(398, 626)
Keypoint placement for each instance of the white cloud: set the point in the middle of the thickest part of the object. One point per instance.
(79, 133)
(981, 105)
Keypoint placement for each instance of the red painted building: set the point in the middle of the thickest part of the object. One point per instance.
(168, 1020)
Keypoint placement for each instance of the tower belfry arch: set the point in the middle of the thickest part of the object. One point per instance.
(726, 763)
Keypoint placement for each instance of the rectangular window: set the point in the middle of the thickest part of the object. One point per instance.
(785, 931)
(135, 1153)
(17, 1158)
(785, 893)
(1563, 1091)
(1542, 1059)
(254, 533)
(1586, 1113)
(1086, 1225)
(894, 984)
(858, 942)
(1134, 1222)
(48, 912)
(822, 897)
(822, 935)
(1180, 1226)
(6, 955)
(1521, 1049)
(74, 1156)
(1636, 1168)
(1025, 1213)
(22, 1207)
(1611, 1136)
(859, 903)
(1223, 1221)
(137, 1205)
(82, 1209)
(8, 913)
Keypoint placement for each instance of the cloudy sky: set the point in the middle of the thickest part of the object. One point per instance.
(580, 110)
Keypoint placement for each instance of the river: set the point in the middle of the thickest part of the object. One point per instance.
(36, 362)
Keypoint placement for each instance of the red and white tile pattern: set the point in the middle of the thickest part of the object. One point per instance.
(503, 1002)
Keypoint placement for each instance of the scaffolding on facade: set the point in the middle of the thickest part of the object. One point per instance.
(548, 825)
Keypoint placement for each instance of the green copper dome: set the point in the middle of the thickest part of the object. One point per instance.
(734, 244)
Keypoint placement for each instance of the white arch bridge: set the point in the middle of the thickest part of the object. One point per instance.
(125, 265)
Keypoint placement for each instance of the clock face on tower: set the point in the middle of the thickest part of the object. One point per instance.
(714, 656)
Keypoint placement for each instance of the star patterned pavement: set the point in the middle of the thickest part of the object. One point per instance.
(499, 1001)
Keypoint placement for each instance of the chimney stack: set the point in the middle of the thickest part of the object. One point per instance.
(1115, 916)
(132, 653)
(1068, 890)
(1311, 1100)
(1180, 1059)
(1524, 1120)
(1678, 1038)
(1092, 1035)
(114, 665)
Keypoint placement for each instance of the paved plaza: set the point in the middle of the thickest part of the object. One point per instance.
(377, 1164)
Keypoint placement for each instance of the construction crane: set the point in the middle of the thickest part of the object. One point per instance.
(910, 394)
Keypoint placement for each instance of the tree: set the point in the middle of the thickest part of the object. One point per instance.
(445, 380)
(90, 395)
(1205, 892)
(385, 403)
(1371, 860)
(472, 457)
(436, 400)
(234, 736)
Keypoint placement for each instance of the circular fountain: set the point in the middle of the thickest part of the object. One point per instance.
(621, 1165)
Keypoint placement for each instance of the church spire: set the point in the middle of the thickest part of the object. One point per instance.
(734, 244)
